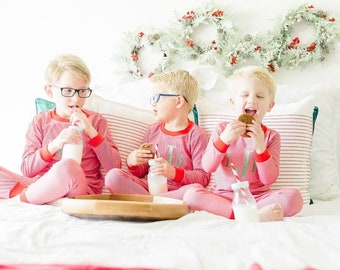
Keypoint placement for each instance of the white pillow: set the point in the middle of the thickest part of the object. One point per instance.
(325, 160)
(293, 121)
(134, 93)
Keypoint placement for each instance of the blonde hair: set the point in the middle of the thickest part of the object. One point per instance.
(179, 82)
(259, 73)
(66, 62)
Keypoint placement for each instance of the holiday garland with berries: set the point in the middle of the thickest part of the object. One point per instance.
(229, 51)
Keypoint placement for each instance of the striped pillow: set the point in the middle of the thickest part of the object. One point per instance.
(127, 124)
(293, 121)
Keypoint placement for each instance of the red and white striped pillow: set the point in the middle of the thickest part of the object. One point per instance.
(127, 124)
(293, 121)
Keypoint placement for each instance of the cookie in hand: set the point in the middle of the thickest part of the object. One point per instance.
(247, 119)
(147, 146)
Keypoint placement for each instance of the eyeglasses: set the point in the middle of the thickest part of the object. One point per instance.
(155, 99)
(70, 92)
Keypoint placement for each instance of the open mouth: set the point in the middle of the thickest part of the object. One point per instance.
(250, 111)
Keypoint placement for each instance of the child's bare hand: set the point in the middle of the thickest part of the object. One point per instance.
(67, 135)
(139, 156)
(255, 132)
(163, 168)
(232, 131)
(79, 118)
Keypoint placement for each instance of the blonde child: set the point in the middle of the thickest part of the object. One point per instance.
(180, 142)
(46, 176)
(256, 157)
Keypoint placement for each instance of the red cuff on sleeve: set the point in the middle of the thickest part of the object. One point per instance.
(220, 145)
(45, 154)
(179, 175)
(132, 168)
(262, 157)
(95, 141)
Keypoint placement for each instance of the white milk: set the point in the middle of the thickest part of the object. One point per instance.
(74, 151)
(157, 184)
(244, 204)
(246, 213)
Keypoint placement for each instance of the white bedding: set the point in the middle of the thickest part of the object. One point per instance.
(44, 234)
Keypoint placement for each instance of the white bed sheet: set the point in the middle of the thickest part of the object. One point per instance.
(44, 234)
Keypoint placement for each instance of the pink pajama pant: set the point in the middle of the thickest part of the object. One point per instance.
(199, 198)
(120, 181)
(65, 178)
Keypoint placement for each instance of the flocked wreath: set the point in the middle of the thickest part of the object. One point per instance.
(250, 47)
(210, 51)
(294, 54)
(229, 51)
(135, 43)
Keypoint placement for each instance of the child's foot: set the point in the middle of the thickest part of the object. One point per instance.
(272, 212)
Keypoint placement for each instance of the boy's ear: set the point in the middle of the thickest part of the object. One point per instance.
(48, 90)
(180, 101)
(271, 105)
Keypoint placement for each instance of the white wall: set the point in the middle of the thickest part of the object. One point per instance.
(33, 32)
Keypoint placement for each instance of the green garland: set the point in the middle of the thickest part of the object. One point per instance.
(229, 51)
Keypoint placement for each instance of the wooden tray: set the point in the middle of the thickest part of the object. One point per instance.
(124, 207)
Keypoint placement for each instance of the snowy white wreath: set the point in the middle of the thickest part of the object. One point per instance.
(281, 49)
(247, 48)
(135, 43)
(207, 53)
(287, 51)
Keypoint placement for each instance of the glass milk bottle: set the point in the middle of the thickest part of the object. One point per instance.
(244, 204)
(157, 183)
(73, 150)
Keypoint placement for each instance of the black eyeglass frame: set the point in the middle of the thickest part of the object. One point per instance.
(155, 98)
(74, 91)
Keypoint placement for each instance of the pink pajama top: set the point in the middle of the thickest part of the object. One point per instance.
(100, 150)
(182, 149)
(260, 170)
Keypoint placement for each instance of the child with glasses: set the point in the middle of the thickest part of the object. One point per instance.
(47, 177)
(253, 148)
(180, 143)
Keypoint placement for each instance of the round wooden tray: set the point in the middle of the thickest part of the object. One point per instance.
(124, 207)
